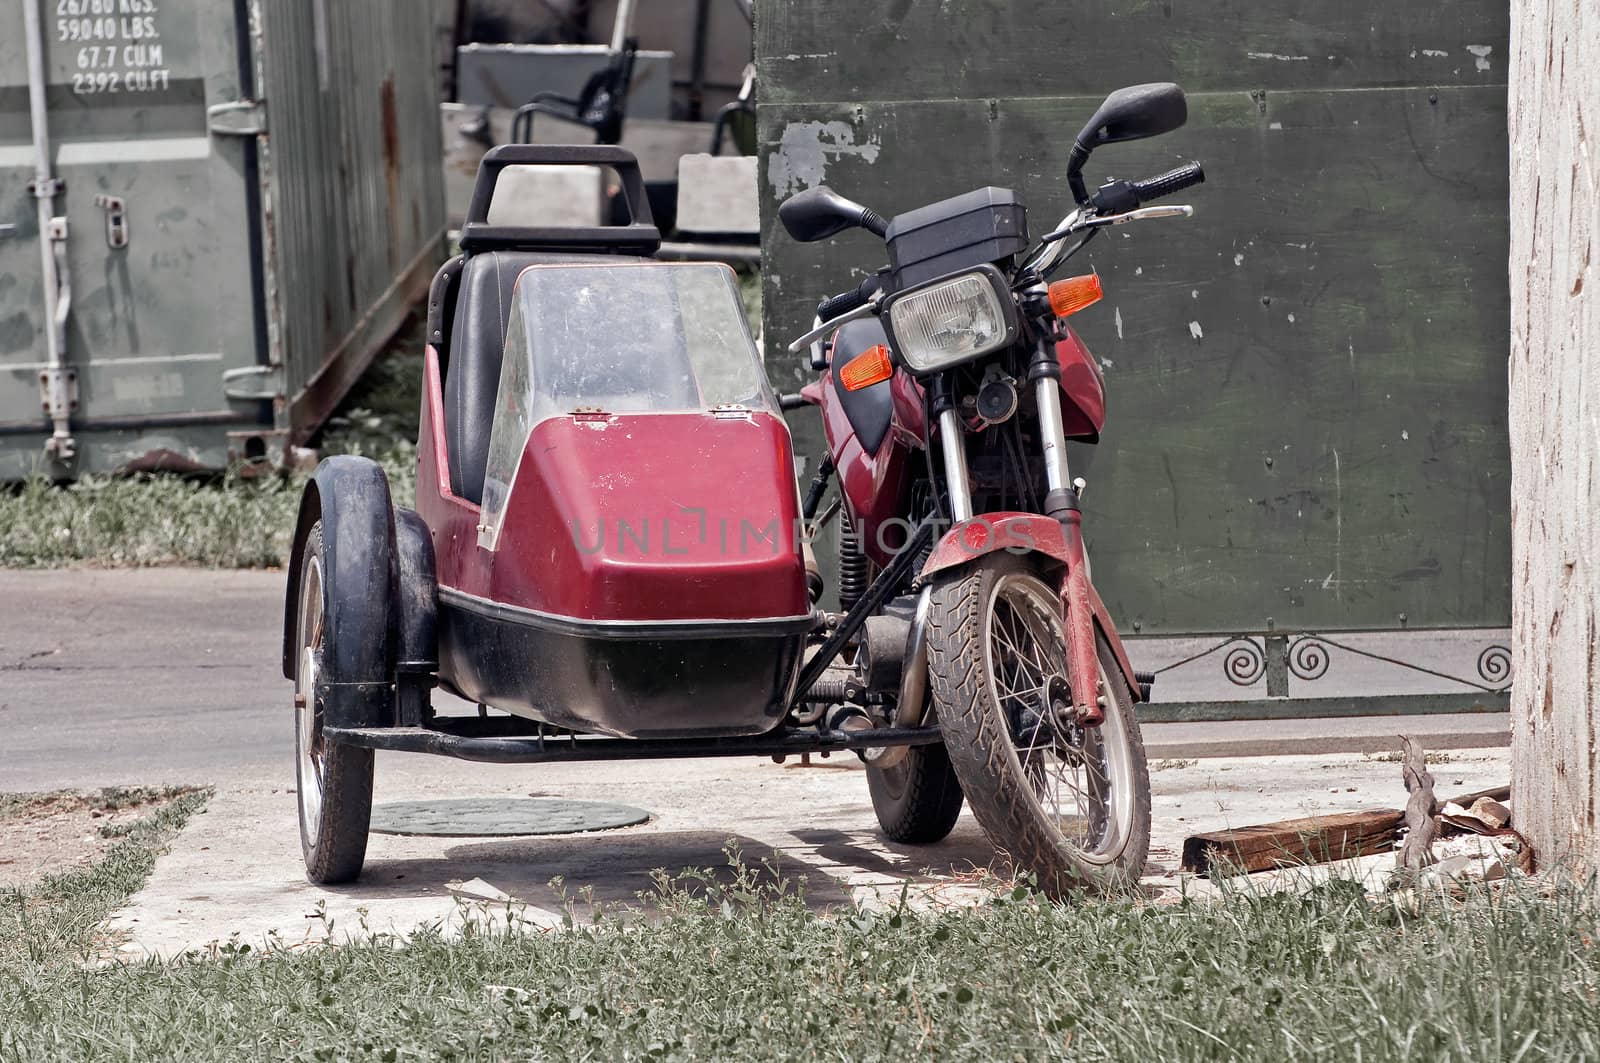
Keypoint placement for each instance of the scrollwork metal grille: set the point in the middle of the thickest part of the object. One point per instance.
(1307, 657)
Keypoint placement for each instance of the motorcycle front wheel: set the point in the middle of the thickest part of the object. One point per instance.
(1071, 804)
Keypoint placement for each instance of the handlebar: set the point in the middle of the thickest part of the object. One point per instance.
(841, 304)
(1175, 180)
(838, 305)
(1119, 197)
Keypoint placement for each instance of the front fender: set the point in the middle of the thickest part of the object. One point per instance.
(416, 595)
(350, 495)
(1017, 533)
(1024, 533)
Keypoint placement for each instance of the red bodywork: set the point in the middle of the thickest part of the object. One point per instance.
(875, 483)
(1083, 414)
(875, 486)
(631, 517)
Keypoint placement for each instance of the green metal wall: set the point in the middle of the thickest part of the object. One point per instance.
(1307, 380)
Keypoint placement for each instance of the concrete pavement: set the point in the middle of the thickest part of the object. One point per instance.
(172, 676)
(237, 870)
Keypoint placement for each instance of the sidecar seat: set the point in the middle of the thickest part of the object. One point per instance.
(477, 347)
(494, 257)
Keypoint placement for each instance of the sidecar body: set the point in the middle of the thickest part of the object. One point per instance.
(609, 489)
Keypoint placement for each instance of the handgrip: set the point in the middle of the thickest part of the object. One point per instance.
(841, 304)
(1172, 181)
(838, 305)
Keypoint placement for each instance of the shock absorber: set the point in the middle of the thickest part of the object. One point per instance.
(853, 573)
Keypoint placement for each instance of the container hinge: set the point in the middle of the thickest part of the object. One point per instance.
(253, 383)
(58, 392)
(116, 220)
(243, 118)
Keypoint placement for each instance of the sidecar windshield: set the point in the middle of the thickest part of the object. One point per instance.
(621, 338)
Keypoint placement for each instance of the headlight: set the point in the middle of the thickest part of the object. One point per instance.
(951, 321)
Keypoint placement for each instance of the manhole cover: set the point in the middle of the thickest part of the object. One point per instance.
(502, 816)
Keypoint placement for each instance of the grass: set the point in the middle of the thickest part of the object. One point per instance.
(228, 521)
(746, 970)
(52, 925)
(106, 799)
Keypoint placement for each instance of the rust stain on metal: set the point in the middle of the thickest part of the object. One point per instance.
(391, 164)
(164, 459)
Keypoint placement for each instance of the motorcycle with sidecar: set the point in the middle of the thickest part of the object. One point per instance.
(609, 543)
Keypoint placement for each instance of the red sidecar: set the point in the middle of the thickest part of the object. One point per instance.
(614, 518)
(606, 538)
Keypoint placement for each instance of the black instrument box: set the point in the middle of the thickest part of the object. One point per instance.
(986, 225)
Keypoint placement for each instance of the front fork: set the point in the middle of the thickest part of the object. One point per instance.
(1061, 503)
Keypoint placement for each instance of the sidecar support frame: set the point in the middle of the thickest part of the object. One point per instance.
(506, 740)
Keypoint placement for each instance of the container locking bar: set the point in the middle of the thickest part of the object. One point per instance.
(116, 220)
(57, 380)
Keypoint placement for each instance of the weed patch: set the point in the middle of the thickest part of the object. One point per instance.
(746, 970)
(227, 521)
(50, 926)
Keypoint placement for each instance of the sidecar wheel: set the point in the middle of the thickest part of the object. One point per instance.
(333, 783)
(918, 799)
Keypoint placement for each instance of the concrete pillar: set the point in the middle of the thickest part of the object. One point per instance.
(1555, 425)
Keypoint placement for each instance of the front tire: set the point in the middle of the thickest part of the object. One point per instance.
(1067, 803)
(333, 782)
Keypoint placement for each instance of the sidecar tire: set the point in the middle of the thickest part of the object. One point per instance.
(918, 800)
(333, 782)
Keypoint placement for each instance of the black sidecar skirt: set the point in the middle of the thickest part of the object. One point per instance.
(631, 679)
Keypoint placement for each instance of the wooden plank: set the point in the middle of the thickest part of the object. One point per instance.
(1309, 840)
(1306, 381)
(902, 50)
(1294, 842)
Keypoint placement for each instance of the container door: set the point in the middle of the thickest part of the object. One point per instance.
(162, 253)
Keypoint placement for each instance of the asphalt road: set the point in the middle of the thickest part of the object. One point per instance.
(173, 675)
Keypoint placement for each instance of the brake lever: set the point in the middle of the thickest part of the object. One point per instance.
(1167, 210)
(1078, 225)
(866, 308)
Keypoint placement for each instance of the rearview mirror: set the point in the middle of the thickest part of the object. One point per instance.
(818, 213)
(1136, 112)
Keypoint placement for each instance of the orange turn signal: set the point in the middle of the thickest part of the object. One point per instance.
(1073, 294)
(867, 368)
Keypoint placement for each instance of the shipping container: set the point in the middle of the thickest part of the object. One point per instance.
(213, 213)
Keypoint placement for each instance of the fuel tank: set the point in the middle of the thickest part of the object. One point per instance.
(1083, 386)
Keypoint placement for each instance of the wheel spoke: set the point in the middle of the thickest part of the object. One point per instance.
(1069, 769)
